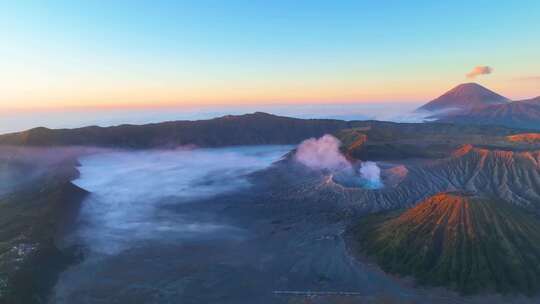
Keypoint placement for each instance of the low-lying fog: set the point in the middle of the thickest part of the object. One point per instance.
(129, 191)
(134, 205)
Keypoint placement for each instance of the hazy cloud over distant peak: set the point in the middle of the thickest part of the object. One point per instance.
(479, 70)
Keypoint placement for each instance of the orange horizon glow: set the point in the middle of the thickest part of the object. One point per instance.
(153, 99)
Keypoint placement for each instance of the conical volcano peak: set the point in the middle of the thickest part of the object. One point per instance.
(469, 86)
(465, 96)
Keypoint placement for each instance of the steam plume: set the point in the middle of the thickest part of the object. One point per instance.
(371, 174)
(321, 153)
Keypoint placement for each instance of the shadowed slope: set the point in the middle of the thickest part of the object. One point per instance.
(458, 240)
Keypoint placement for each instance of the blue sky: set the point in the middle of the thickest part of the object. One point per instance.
(140, 53)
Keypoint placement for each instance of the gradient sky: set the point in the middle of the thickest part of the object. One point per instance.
(63, 54)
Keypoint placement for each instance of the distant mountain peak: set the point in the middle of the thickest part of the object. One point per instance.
(465, 96)
(469, 85)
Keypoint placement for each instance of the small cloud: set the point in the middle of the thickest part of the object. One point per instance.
(479, 70)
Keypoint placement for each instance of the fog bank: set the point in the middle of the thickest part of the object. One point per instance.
(131, 190)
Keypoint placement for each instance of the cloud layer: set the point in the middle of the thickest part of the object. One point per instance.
(479, 70)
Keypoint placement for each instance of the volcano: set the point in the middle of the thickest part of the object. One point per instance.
(459, 240)
(465, 96)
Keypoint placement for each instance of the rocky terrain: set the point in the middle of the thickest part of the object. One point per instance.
(513, 176)
(459, 240)
(416, 165)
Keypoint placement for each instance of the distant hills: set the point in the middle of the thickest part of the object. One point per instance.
(471, 103)
(459, 240)
(520, 114)
(250, 129)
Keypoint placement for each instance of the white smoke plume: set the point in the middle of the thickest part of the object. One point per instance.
(321, 153)
(371, 174)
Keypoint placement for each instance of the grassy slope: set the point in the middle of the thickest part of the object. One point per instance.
(467, 244)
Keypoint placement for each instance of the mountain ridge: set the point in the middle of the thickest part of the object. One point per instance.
(521, 114)
(471, 103)
(257, 128)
